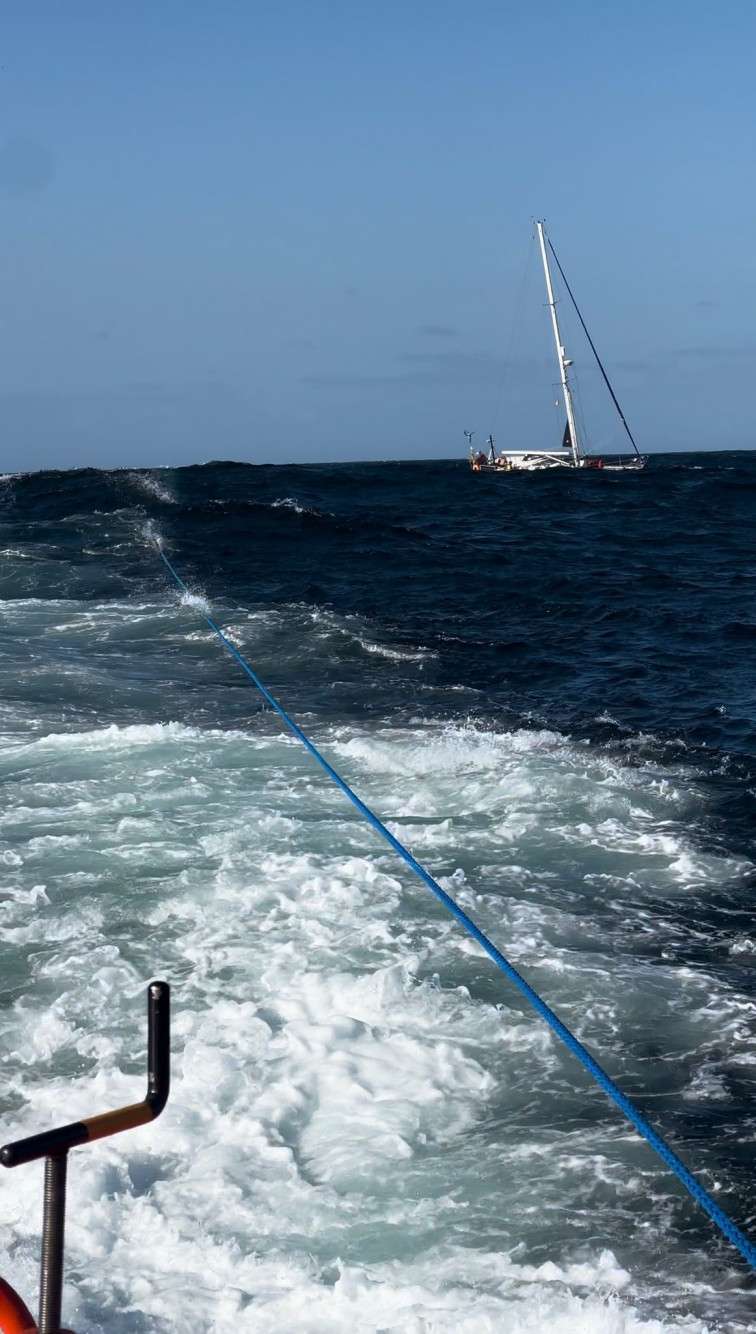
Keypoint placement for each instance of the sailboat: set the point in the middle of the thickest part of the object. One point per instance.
(571, 453)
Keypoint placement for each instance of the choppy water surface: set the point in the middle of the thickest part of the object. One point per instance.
(546, 686)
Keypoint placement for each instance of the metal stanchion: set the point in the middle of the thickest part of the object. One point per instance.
(54, 1145)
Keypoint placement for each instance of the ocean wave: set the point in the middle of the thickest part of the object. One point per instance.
(367, 1123)
(289, 503)
(151, 486)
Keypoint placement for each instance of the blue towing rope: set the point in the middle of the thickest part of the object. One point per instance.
(722, 1220)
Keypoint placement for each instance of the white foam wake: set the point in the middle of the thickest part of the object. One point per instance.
(367, 1130)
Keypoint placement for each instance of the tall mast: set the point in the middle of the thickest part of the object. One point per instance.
(562, 357)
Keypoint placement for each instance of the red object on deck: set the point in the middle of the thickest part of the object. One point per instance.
(15, 1316)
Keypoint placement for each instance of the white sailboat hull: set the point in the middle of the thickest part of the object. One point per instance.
(541, 460)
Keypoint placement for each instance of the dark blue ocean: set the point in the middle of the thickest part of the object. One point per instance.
(545, 685)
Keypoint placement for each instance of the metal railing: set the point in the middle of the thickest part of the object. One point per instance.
(54, 1145)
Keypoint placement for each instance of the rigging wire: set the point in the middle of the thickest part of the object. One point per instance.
(593, 349)
(644, 1127)
(570, 341)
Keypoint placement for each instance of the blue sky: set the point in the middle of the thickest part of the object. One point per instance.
(300, 230)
